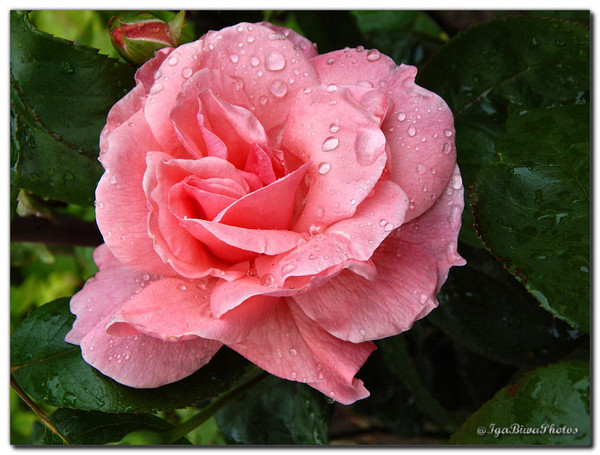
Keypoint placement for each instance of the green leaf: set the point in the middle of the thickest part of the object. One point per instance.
(531, 62)
(276, 412)
(533, 207)
(397, 356)
(549, 405)
(52, 371)
(409, 37)
(331, 30)
(60, 96)
(95, 428)
(485, 309)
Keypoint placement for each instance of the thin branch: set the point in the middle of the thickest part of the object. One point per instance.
(35, 408)
(61, 230)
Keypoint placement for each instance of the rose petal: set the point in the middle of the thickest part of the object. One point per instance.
(127, 106)
(419, 131)
(308, 48)
(173, 242)
(121, 212)
(272, 67)
(291, 346)
(136, 360)
(328, 128)
(175, 309)
(412, 265)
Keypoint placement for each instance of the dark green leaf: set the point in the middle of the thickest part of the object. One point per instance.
(398, 358)
(95, 428)
(409, 37)
(527, 61)
(52, 371)
(60, 96)
(484, 308)
(331, 30)
(276, 412)
(533, 208)
(549, 405)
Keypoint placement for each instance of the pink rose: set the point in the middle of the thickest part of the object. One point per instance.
(290, 205)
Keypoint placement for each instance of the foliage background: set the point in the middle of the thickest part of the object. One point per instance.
(510, 340)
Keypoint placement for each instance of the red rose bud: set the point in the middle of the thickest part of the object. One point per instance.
(138, 39)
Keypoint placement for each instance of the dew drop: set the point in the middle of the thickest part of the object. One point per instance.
(250, 38)
(456, 182)
(263, 100)
(293, 352)
(330, 144)
(268, 280)
(233, 58)
(187, 72)
(173, 61)
(113, 180)
(324, 168)
(316, 228)
(352, 201)
(401, 116)
(254, 61)
(411, 131)
(421, 169)
(370, 143)
(447, 133)
(330, 61)
(252, 271)
(155, 89)
(294, 375)
(278, 88)
(334, 128)
(362, 332)
(446, 148)
(287, 269)
(388, 227)
(275, 61)
(320, 212)
(373, 55)
(157, 75)
(332, 88)
(423, 298)
(181, 287)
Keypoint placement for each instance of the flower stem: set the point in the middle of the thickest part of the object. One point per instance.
(255, 376)
(35, 408)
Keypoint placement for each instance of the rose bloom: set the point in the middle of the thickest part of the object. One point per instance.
(289, 205)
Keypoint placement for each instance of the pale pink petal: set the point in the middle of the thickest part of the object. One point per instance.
(121, 212)
(145, 362)
(328, 128)
(135, 360)
(272, 67)
(170, 77)
(352, 239)
(412, 265)
(309, 49)
(127, 106)
(270, 207)
(419, 130)
(174, 309)
(291, 346)
(173, 242)
(236, 126)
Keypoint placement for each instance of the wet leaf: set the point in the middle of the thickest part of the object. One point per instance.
(533, 207)
(52, 371)
(549, 406)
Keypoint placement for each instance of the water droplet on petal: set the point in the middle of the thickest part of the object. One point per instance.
(373, 55)
(411, 131)
(330, 144)
(330, 61)
(369, 145)
(447, 133)
(263, 100)
(456, 182)
(401, 116)
(233, 58)
(187, 72)
(332, 88)
(288, 268)
(334, 128)
(421, 169)
(268, 280)
(293, 352)
(173, 61)
(275, 61)
(254, 61)
(155, 89)
(316, 228)
(446, 148)
(182, 287)
(278, 88)
(423, 298)
(324, 168)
